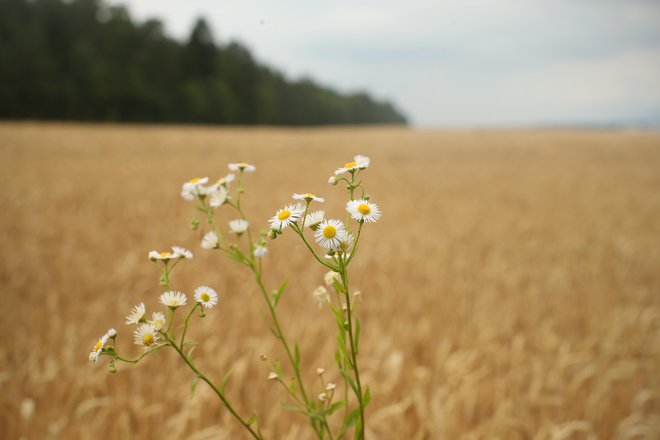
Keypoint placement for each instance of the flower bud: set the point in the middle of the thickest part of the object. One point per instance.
(272, 376)
(332, 180)
(272, 234)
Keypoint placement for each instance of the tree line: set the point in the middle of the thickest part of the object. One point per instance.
(89, 61)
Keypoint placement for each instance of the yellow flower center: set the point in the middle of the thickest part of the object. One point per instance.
(98, 346)
(164, 254)
(364, 209)
(344, 245)
(148, 339)
(350, 165)
(285, 214)
(195, 180)
(243, 164)
(309, 195)
(205, 297)
(329, 231)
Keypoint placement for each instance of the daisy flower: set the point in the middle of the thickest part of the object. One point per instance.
(98, 348)
(157, 320)
(218, 197)
(363, 211)
(146, 337)
(329, 233)
(285, 217)
(136, 315)
(173, 299)
(238, 226)
(359, 163)
(164, 256)
(224, 181)
(312, 220)
(346, 242)
(210, 240)
(192, 188)
(321, 296)
(308, 197)
(260, 251)
(206, 297)
(182, 252)
(241, 166)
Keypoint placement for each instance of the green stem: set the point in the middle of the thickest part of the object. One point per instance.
(185, 325)
(299, 232)
(219, 393)
(344, 278)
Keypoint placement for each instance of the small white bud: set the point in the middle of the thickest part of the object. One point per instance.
(272, 376)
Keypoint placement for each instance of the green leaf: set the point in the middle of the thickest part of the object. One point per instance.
(350, 381)
(292, 387)
(292, 408)
(252, 419)
(338, 286)
(278, 293)
(278, 369)
(225, 379)
(334, 407)
(353, 417)
(193, 386)
(367, 397)
(190, 351)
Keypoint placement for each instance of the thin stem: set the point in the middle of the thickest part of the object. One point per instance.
(222, 397)
(354, 365)
(299, 232)
(185, 324)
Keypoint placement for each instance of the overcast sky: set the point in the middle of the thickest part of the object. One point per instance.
(458, 62)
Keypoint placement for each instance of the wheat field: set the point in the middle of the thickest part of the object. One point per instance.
(510, 291)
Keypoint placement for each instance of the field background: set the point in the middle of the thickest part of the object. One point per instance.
(511, 290)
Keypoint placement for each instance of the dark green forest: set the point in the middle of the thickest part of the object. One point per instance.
(87, 61)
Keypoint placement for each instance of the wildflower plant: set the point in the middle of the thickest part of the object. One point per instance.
(332, 410)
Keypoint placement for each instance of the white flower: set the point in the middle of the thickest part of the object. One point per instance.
(308, 197)
(323, 397)
(359, 163)
(285, 217)
(321, 296)
(206, 297)
(111, 333)
(158, 320)
(363, 211)
(241, 166)
(224, 181)
(272, 375)
(238, 226)
(145, 336)
(260, 251)
(165, 256)
(332, 180)
(320, 371)
(98, 348)
(182, 252)
(312, 220)
(330, 277)
(330, 386)
(136, 315)
(218, 197)
(193, 188)
(346, 241)
(210, 240)
(329, 233)
(173, 299)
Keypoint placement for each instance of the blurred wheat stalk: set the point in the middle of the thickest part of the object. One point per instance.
(520, 295)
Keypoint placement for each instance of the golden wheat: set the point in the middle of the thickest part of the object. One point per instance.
(511, 290)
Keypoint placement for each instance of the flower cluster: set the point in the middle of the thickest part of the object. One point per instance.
(336, 244)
